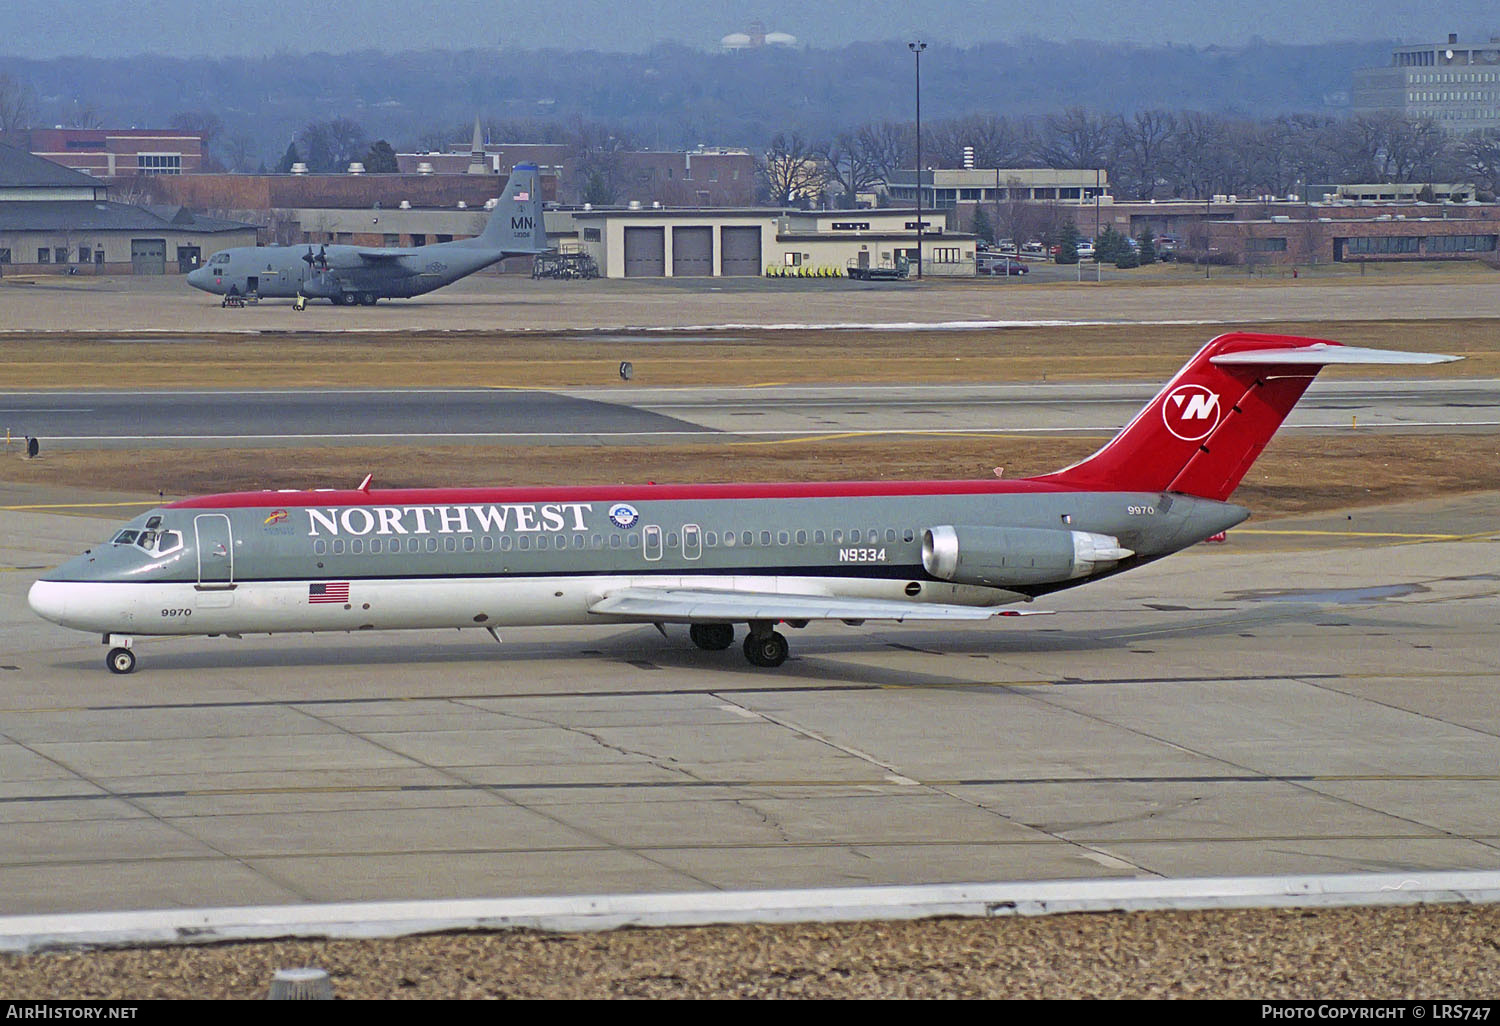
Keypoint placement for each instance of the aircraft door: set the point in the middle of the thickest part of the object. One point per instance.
(651, 542)
(692, 541)
(215, 551)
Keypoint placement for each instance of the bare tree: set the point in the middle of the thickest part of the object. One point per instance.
(17, 104)
(331, 146)
(849, 167)
(1142, 146)
(790, 171)
(888, 146)
(1479, 153)
(1075, 139)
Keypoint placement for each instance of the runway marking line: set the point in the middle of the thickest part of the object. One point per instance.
(85, 505)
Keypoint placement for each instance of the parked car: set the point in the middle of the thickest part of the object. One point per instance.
(1085, 250)
(995, 263)
(1034, 248)
(1008, 245)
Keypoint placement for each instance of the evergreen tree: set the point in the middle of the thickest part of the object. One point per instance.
(1127, 259)
(1148, 247)
(290, 157)
(1067, 244)
(982, 226)
(1111, 246)
(381, 160)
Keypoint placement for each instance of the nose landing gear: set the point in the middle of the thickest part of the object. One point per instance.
(120, 659)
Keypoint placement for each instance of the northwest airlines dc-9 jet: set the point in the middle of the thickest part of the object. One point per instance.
(349, 275)
(711, 556)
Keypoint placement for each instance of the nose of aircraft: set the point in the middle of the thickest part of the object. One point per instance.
(198, 278)
(49, 600)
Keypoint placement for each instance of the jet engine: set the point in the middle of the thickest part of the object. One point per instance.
(1002, 557)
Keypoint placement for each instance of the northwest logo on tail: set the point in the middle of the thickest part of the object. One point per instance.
(1191, 412)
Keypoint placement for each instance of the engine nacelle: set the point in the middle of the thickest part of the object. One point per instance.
(1002, 557)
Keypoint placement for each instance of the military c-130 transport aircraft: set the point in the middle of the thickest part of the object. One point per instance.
(348, 275)
(710, 556)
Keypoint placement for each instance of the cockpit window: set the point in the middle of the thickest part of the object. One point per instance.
(220, 258)
(158, 543)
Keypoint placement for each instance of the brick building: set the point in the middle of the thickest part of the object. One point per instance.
(114, 152)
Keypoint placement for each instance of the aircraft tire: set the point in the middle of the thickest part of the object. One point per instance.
(768, 650)
(120, 660)
(713, 637)
(367, 299)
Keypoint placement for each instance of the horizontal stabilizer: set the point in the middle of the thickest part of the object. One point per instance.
(1323, 355)
(706, 605)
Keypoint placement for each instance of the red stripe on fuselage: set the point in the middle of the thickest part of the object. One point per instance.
(615, 493)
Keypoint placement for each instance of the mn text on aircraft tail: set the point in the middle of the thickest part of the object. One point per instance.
(1207, 426)
(515, 224)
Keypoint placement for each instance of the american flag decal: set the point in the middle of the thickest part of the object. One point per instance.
(523, 196)
(332, 591)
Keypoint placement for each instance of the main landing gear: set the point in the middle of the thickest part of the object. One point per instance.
(763, 646)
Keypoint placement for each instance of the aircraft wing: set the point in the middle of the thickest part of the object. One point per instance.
(705, 605)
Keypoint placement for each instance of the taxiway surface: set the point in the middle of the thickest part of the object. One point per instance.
(141, 419)
(1312, 696)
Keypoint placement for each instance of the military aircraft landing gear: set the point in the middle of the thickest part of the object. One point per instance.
(765, 648)
(367, 299)
(714, 637)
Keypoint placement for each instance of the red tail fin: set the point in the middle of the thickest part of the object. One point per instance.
(1207, 426)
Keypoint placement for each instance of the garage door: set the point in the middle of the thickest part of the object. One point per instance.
(693, 252)
(739, 250)
(148, 256)
(645, 252)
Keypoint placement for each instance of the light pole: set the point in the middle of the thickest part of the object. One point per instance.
(917, 48)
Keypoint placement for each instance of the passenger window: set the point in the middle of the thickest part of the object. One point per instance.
(541, 541)
(374, 546)
(523, 543)
(356, 546)
(672, 540)
(614, 541)
(578, 541)
(801, 537)
(468, 544)
(854, 537)
(487, 543)
(765, 537)
(907, 535)
(412, 544)
(729, 539)
(633, 540)
(890, 534)
(338, 547)
(711, 539)
(782, 538)
(450, 544)
(596, 542)
(320, 547)
(819, 537)
(431, 545)
(746, 538)
(505, 543)
(838, 537)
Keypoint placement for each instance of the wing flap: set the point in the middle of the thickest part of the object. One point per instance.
(704, 605)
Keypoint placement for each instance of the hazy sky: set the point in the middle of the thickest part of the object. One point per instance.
(109, 28)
